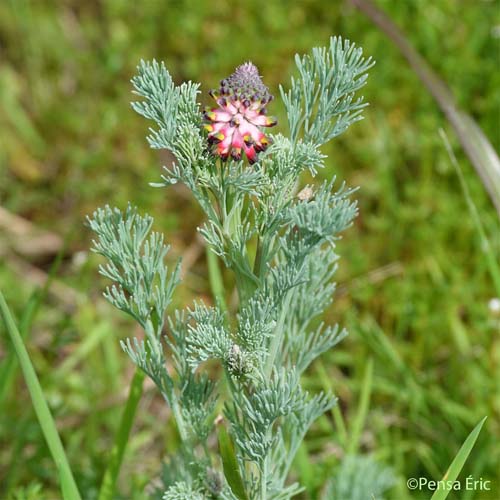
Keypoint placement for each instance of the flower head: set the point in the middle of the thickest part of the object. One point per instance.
(233, 126)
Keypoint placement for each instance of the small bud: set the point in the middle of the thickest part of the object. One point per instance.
(306, 194)
(237, 361)
(214, 482)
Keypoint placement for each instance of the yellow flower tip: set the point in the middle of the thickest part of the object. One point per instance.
(210, 115)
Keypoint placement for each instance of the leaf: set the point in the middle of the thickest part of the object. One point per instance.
(364, 402)
(215, 278)
(122, 437)
(230, 464)
(459, 461)
(66, 486)
(45, 419)
(9, 365)
(486, 246)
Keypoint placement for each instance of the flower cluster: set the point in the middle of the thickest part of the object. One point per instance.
(233, 126)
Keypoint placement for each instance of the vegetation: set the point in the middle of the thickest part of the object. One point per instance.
(420, 367)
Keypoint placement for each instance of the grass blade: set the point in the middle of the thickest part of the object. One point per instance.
(40, 405)
(459, 461)
(94, 337)
(108, 485)
(364, 402)
(8, 367)
(338, 419)
(491, 260)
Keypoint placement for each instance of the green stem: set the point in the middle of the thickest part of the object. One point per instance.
(108, 484)
(45, 419)
(181, 426)
(263, 480)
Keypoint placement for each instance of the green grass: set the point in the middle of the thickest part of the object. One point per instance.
(67, 482)
(459, 461)
(69, 142)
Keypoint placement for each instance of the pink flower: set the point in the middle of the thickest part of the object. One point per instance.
(234, 126)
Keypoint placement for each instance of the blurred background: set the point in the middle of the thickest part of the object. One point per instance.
(414, 288)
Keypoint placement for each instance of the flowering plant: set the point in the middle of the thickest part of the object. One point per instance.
(277, 237)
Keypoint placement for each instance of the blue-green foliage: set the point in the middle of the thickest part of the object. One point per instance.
(359, 478)
(271, 339)
(321, 102)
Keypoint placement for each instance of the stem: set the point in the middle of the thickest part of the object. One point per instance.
(108, 485)
(45, 419)
(181, 427)
(225, 201)
(214, 274)
(263, 481)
